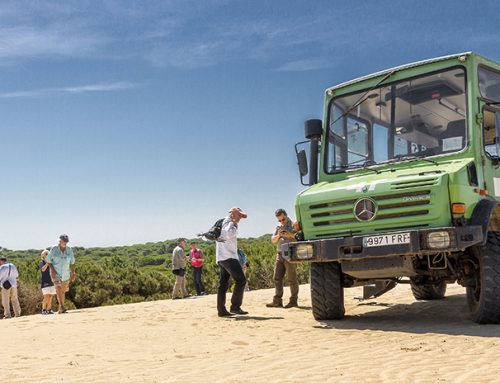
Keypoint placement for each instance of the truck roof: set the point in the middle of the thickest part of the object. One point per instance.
(398, 68)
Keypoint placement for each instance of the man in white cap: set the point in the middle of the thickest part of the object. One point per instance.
(226, 256)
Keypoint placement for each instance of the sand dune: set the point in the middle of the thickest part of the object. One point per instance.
(392, 338)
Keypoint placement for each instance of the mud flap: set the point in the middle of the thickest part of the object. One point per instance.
(377, 289)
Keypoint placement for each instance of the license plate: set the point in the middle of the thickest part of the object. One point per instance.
(386, 240)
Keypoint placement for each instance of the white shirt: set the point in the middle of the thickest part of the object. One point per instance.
(227, 248)
(4, 274)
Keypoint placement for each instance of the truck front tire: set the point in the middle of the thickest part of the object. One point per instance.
(484, 297)
(327, 293)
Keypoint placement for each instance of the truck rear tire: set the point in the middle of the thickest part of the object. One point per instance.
(327, 293)
(484, 297)
(427, 291)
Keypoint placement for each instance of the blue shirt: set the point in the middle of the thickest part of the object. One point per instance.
(242, 257)
(61, 260)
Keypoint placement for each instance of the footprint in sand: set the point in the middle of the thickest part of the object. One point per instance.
(240, 343)
(183, 356)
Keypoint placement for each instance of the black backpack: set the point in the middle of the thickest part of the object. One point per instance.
(214, 233)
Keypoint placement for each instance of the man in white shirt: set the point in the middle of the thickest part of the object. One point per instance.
(8, 272)
(226, 256)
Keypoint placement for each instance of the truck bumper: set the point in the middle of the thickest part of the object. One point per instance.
(420, 242)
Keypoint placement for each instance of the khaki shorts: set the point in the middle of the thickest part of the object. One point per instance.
(64, 285)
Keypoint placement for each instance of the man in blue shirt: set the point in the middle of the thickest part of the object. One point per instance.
(62, 269)
(8, 272)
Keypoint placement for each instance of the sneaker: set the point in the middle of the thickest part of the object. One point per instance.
(238, 311)
(274, 304)
(44, 312)
(62, 310)
(48, 312)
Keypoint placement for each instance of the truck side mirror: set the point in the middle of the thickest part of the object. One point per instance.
(302, 162)
(313, 131)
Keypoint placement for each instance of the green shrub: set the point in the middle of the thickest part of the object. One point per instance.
(126, 274)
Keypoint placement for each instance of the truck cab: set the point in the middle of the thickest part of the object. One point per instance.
(403, 186)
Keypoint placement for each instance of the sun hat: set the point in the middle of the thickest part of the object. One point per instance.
(239, 211)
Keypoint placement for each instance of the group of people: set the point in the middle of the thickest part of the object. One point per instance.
(58, 271)
(57, 268)
(226, 255)
(179, 260)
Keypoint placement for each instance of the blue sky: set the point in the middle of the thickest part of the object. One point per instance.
(128, 122)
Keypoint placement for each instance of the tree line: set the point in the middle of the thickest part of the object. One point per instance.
(137, 273)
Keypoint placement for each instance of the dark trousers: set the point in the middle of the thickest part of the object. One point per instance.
(230, 268)
(198, 284)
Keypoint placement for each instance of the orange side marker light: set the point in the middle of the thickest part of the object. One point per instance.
(458, 208)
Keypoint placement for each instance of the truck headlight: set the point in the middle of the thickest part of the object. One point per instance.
(304, 251)
(438, 240)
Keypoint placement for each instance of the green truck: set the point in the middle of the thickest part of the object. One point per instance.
(403, 178)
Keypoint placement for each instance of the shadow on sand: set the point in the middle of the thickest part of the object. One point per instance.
(251, 317)
(448, 316)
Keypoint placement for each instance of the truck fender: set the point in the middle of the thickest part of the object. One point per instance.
(487, 215)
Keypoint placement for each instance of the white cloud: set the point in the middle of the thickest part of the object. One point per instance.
(30, 41)
(191, 34)
(102, 87)
(304, 65)
(165, 33)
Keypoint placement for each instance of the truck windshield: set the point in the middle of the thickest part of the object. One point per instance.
(419, 117)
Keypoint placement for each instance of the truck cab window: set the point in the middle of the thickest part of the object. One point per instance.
(426, 116)
(489, 133)
(380, 144)
(357, 141)
(489, 83)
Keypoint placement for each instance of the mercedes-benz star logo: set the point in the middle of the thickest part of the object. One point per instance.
(365, 209)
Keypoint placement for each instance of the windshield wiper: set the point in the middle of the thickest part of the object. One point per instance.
(401, 157)
(364, 97)
(364, 165)
(370, 163)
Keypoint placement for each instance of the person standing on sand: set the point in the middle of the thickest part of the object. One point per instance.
(226, 256)
(197, 260)
(284, 233)
(8, 282)
(46, 284)
(179, 269)
(61, 262)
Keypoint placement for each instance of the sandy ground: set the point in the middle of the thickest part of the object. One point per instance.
(392, 338)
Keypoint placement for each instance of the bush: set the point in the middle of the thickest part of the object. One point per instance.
(107, 276)
(30, 298)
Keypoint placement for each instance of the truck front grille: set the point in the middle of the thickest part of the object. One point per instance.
(424, 182)
(397, 205)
